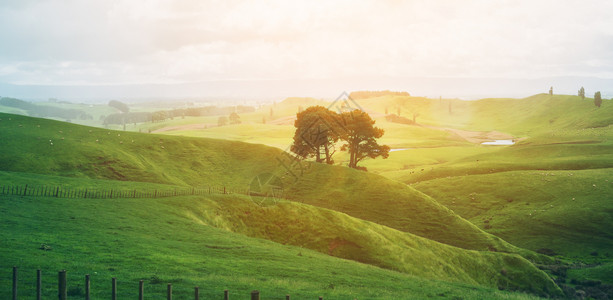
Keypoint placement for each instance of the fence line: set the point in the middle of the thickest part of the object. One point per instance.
(93, 193)
(63, 288)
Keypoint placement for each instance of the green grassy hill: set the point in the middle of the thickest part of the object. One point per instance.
(155, 240)
(374, 198)
(538, 113)
(340, 235)
(104, 154)
(566, 211)
(36, 146)
(55, 148)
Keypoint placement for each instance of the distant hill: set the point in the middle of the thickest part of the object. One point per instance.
(372, 94)
(45, 111)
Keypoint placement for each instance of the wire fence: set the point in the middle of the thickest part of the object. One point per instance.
(97, 193)
(63, 291)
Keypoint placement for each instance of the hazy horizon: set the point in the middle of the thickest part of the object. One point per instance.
(253, 92)
(132, 49)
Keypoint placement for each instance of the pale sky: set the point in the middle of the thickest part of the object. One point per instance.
(99, 42)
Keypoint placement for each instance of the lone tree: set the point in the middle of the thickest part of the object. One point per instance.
(581, 93)
(317, 130)
(360, 136)
(234, 118)
(597, 99)
(551, 91)
(222, 121)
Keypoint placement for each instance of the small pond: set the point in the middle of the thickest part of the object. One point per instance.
(500, 143)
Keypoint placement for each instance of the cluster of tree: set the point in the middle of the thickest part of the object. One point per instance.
(131, 117)
(581, 93)
(398, 119)
(371, 94)
(200, 112)
(597, 96)
(319, 129)
(46, 111)
(122, 107)
(234, 118)
(597, 99)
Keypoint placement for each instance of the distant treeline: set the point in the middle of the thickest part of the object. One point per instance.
(398, 119)
(371, 94)
(162, 115)
(45, 111)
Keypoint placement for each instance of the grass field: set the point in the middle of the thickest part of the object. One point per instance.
(157, 240)
(452, 215)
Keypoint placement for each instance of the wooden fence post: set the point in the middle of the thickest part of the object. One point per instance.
(141, 290)
(25, 190)
(61, 285)
(114, 288)
(196, 293)
(226, 295)
(14, 283)
(286, 297)
(39, 284)
(255, 295)
(169, 292)
(57, 190)
(87, 287)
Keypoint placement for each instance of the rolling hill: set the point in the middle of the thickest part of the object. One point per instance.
(402, 214)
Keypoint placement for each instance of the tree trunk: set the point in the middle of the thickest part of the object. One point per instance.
(328, 158)
(318, 155)
(354, 150)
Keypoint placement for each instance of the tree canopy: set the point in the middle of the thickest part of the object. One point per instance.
(316, 133)
(234, 118)
(360, 136)
(597, 99)
(119, 105)
(222, 121)
(318, 129)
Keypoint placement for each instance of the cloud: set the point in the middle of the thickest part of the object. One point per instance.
(163, 41)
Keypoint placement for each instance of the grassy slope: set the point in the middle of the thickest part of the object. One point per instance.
(279, 136)
(567, 211)
(335, 234)
(343, 236)
(156, 241)
(202, 162)
(79, 151)
(76, 137)
(524, 193)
